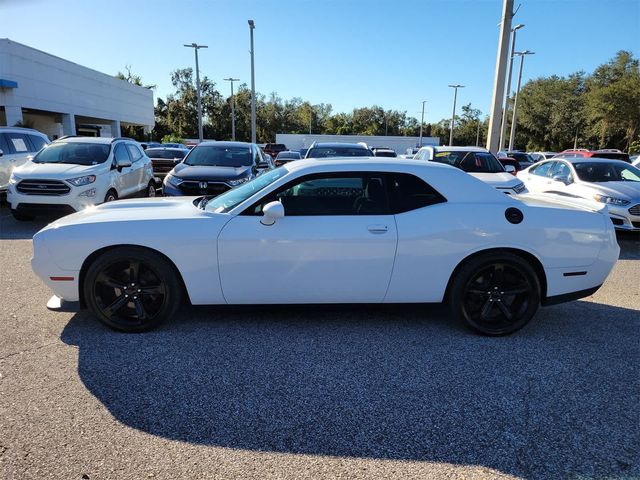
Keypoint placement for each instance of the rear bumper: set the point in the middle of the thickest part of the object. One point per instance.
(569, 297)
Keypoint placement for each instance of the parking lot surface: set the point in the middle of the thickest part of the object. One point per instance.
(317, 392)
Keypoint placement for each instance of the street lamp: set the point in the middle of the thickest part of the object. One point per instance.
(422, 122)
(196, 47)
(233, 108)
(503, 127)
(252, 25)
(453, 115)
(515, 100)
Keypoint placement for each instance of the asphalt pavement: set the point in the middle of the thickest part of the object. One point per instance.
(322, 392)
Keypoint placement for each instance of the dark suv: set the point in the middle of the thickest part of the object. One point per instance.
(212, 168)
(165, 159)
(328, 150)
(274, 149)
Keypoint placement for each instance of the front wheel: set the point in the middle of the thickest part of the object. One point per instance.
(132, 289)
(495, 294)
(151, 189)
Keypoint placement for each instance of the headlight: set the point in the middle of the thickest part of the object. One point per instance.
(611, 200)
(13, 179)
(238, 181)
(175, 181)
(80, 181)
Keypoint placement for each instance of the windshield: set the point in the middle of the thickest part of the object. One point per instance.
(606, 172)
(295, 155)
(164, 153)
(473, 162)
(326, 152)
(231, 198)
(521, 157)
(219, 156)
(75, 153)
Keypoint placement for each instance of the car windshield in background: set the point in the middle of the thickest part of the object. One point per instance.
(606, 172)
(521, 157)
(218, 156)
(473, 162)
(74, 153)
(228, 200)
(294, 155)
(327, 152)
(165, 154)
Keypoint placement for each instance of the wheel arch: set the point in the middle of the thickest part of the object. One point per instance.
(89, 260)
(528, 256)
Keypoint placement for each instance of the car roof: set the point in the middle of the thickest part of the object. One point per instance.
(211, 143)
(588, 160)
(21, 130)
(102, 140)
(166, 148)
(456, 149)
(374, 162)
(339, 144)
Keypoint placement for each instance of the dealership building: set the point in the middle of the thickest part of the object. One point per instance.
(59, 97)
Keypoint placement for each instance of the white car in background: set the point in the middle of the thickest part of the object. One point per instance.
(477, 162)
(17, 145)
(614, 183)
(339, 230)
(73, 173)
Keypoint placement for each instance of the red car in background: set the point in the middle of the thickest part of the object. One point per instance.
(606, 153)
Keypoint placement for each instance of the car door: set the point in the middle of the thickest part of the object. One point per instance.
(137, 167)
(125, 178)
(536, 177)
(336, 243)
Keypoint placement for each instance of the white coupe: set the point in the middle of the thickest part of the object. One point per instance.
(331, 231)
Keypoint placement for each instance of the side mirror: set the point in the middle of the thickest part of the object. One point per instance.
(510, 169)
(271, 212)
(122, 163)
(562, 178)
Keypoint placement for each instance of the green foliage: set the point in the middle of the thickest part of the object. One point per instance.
(172, 139)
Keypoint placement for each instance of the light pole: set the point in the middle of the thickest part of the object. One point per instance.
(233, 108)
(196, 47)
(453, 114)
(252, 25)
(514, 119)
(503, 127)
(422, 122)
(478, 135)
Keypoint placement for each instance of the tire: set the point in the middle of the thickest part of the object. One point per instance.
(132, 289)
(151, 190)
(111, 196)
(495, 294)
(21, 217)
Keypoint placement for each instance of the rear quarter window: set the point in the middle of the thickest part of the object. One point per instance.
(408, 192)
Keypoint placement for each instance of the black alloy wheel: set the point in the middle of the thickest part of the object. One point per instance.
(151, 189)
(132, 289)
(496, 294)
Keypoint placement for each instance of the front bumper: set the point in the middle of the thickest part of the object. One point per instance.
(623, 219)
(51, 204)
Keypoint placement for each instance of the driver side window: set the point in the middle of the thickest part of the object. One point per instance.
(543, 169)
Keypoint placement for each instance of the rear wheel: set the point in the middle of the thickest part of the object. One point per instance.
(495, 294)
(151, 189)
(132, 289)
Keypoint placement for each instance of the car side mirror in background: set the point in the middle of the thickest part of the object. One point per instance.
(562, 178)
(122, 163)
(271, 212)
(510, 169)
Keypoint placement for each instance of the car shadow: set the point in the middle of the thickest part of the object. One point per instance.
(557, 399)
(11, 229)
(629, 245)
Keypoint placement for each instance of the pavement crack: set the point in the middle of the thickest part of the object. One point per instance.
(29, 350)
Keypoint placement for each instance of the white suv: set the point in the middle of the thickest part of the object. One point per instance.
(17, 145)
(75, 172)
(477, 162)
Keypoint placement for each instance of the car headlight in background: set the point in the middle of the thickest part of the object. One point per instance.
(175, 181)
(81, 181)
(611, 200)
(88, 193)
(238, 181)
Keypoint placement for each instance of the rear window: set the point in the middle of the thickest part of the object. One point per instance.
(385, 153)
(328, 152)
(472, 162)
(165, 154)
(37, 142)
(409, 192)
(294, 155)
(613, 155)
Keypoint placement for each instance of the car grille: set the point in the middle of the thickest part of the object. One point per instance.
(163, 166)
(635, 210)
(190, 187)
(43, 187)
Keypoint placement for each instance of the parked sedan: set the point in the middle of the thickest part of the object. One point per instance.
(212, 168)
(285, 157)
(334, 231)
(523, 159)
(612, 182)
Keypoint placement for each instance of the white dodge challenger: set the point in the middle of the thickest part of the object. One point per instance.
(330, 231)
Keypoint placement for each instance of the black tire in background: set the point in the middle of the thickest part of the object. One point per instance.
(495, 294)
(151, 190)
(132, 289)
(111, 196)
(21, 217)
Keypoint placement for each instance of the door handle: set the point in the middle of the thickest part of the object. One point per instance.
(378, 228)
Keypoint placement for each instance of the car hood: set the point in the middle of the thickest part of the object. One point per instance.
(139, 209)
(500, 179)
(625, 190)
(56, 170)
(210, 173)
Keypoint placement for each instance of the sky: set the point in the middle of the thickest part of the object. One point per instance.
(349, 53)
